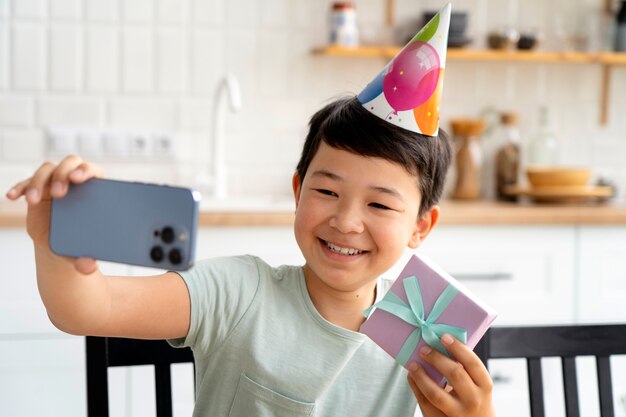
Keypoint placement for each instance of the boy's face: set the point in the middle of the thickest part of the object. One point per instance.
(355, 216)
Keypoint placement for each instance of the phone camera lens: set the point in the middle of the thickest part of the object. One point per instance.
(167, 234)
(156, 254)
(176, 257)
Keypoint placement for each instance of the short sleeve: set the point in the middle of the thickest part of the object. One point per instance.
(220, 291)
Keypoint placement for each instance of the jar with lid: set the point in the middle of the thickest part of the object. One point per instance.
(468, 159)
(507, 161)
(343, 26)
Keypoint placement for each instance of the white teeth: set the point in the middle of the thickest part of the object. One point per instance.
(343, 251)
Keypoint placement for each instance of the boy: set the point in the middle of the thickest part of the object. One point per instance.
(284, 341)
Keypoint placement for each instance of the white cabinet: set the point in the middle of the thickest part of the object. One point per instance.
(602, 274)
(524, 272)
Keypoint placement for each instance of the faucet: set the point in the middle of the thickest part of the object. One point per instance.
(227, 84)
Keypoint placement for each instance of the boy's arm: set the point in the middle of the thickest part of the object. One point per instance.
(79, 299)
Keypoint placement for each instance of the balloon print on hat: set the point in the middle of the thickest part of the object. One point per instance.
(412, 77)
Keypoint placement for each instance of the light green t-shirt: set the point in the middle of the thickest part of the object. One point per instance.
(262, 349)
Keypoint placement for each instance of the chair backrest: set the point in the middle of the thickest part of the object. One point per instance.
(566, 342)
(105, 352)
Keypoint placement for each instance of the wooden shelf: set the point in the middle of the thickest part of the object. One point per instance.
(606, 59)
(461, 54)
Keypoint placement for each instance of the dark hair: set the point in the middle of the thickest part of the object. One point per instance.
(345, 124)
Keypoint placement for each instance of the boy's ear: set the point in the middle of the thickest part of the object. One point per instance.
(296, 185)
(424, 225)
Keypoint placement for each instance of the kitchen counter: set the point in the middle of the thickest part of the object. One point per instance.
(453, 213)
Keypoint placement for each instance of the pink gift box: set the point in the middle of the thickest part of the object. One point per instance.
(458, 307)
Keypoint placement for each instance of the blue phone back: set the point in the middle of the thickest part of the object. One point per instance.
(127, 222)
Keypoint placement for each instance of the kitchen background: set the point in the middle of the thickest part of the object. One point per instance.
(138, 87)
(152, 67)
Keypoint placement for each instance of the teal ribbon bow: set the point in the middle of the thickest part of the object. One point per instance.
(413, 313)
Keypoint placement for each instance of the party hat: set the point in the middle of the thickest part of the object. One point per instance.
(407, 92)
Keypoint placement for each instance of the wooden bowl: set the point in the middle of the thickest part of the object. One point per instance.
(558, 176)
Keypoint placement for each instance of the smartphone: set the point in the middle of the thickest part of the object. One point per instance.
(127, 222)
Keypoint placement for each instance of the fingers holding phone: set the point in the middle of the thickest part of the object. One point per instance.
(49, 181)
(52, 180)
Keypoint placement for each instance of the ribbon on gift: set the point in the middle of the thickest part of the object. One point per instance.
(413, 313)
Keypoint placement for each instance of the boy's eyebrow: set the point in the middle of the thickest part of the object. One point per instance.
(327, 174)
(386, 190)
(380, 189)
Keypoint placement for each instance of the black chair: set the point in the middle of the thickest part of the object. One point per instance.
(565, 342)
(105, 352)
(531, 343)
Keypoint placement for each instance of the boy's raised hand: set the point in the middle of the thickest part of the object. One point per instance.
(52, 181)
(470, 392)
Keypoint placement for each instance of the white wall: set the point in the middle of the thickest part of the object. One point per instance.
(154, 64)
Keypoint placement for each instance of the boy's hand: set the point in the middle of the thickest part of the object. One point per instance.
(52, 181)
(472, 385)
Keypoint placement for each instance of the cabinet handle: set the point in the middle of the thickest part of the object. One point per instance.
(499, 379)
(498, 276)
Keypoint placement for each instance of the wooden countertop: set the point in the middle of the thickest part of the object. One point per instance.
(453, 213)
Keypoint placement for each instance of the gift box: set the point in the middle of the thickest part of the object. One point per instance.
(423, 304)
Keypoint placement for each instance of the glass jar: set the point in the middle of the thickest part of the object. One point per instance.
(468, 159)
(343, 27)
(543, 149)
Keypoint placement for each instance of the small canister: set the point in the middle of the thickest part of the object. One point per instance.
(343, 28)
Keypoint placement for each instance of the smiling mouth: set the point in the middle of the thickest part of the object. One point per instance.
(342, 251)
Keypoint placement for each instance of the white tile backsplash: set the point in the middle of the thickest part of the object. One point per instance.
(16, 111)
(155, 64)
(102, 11)
(171, 61)
(138, 10)
(29, 9)
(172, 11)
(66, 9)
(208, 12)
(138, 64)
(80, 111)
(28, 57)
(143, 112)
(102, 59)
(23, 146)
(207, 60)
(4, 54)
(66, 58)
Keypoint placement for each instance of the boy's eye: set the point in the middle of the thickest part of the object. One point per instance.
(326, 192)
(379, 206)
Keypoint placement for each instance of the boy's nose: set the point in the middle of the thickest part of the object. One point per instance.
(347, 219)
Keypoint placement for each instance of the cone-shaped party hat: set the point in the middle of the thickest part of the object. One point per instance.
(407, 92)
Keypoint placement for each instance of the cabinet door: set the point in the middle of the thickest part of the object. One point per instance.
(525, 273)
(22, 309)
(602, 266)
(602, 296)
(42, 376)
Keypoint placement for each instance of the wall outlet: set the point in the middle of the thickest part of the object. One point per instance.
(112, 144)
(140, 144)
(163, 145)
(61, 141)
(89, 143)
(115, 143)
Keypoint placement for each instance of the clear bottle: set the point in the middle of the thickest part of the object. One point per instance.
(543, 149)
(507, 160)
